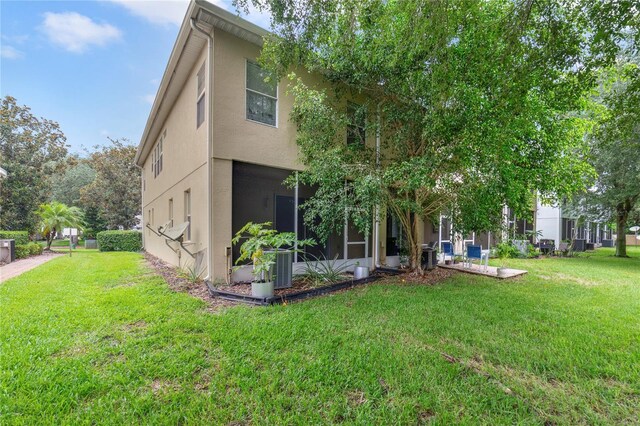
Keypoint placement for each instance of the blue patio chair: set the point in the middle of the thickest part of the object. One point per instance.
(475, 252)
(447, 250)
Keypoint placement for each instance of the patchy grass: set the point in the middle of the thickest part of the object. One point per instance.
(95, 338)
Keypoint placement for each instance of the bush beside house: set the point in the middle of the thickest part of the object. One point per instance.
(119, 240)
(21, 237)
(26, 250)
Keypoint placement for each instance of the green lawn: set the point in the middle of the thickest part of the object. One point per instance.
(97, 338)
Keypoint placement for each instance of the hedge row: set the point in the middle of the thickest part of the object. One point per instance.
(119, 240)
(26, 250)
(21, 237)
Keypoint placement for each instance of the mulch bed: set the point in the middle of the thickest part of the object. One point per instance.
(296, 286)
(179, 284)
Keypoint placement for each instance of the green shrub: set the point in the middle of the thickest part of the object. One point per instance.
(21, 237)
(22, 251)
(506, 250)
(26, 250)
(119, 241)
(34, 249)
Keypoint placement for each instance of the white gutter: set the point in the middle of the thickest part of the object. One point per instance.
(142, 202)
(376, 229)
(195, 27)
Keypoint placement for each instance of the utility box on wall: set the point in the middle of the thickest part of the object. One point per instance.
(7, 251)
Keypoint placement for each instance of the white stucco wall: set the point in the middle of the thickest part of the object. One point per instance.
(549, 222)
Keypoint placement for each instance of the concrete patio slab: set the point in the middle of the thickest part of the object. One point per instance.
(13, 269)
(491, 271)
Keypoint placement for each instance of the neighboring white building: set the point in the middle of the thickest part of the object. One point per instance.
(555, 224)
(549, 222)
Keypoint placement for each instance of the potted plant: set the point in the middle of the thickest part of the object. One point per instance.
(505, 250)
(360, 272)
(260, 245)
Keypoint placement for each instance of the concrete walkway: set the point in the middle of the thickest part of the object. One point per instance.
(18, 267)
(491, 271)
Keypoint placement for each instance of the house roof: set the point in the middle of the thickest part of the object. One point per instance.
(184, 54)
(3, 173)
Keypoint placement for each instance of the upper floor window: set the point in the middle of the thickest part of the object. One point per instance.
(357, 122)
(156, 159)
(200, 97)
(262, 96)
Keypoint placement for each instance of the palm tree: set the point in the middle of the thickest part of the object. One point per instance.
(55, 216)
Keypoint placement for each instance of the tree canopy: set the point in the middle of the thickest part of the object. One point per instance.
(475, 101)
(615, 150)
(31, 149)
(115, 191)
(66, 186)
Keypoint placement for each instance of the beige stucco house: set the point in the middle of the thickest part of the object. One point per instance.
(217, 146)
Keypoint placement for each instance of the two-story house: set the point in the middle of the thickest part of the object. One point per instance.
(218, 145)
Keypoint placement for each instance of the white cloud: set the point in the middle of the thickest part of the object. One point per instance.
(157, 12)
(149, 98)
(16, 39)
(8, 52)
(75, 32)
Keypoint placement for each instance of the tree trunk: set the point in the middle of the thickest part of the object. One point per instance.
(622, 213)
(50, 239)
(415, 251)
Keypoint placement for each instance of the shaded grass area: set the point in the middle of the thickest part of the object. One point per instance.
(98, 338)
(61, 243)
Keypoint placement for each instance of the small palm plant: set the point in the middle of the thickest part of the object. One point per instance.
(55, 216)
(261, 244)
(322, 271)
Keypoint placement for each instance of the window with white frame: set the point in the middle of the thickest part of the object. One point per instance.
(200, 107)
(261, 95)
(357, 122)
(156, 159)
(187, 213)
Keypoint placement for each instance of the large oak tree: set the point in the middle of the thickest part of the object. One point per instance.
(474, 101)
(115, 192)
(615, 151)
(31, 150)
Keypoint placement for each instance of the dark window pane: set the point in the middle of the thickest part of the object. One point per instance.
(357, 122)
(355, 251)
(261, 108)
(201, 79)
(255, 80)
(200, 111)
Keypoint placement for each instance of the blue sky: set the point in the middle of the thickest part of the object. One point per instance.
(92, 66)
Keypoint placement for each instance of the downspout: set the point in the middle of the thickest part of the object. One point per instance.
(142, 202)
(195, 27)
(376, 229)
